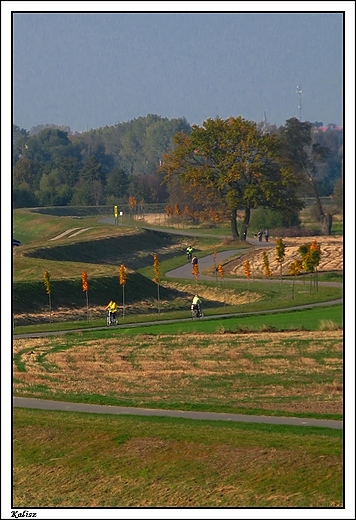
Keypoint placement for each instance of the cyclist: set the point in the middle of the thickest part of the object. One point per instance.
(196, 304)
(189, 252)
(112, 308)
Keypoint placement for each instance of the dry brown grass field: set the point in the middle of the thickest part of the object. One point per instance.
(295, 373)
(331, 256)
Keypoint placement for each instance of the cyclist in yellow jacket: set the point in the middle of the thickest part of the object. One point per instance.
(189, 253)
(112, 308)
(196, 303)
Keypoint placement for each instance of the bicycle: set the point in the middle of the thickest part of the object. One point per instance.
(111, 319)
(196, 311)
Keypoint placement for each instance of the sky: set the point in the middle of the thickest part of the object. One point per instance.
(87, 70)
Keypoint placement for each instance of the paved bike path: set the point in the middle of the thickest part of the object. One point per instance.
(43, 404)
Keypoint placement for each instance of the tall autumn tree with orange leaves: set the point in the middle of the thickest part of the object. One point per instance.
(294, 269)
(247, 269)
(280, 254)
(132, 204)
(315, 254)
(221, 273)
(310, 257)
(48, 287)
(156, 264)
(266, 268)
(234, 165)
(85, 288)
(122, 280)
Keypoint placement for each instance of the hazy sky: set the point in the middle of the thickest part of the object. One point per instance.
(95, 69)
(87, 70)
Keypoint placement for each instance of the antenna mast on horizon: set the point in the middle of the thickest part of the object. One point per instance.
(264, 123)
(299, 92)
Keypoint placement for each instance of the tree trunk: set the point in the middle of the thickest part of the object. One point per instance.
(86, 293)
(234, 232)
(316, 194)
(326, 224)
(246, 222)
(325, 220)
(317, 200)
(50, 308)
(159, 309)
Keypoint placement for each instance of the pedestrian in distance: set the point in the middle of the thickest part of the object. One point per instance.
(266, 235)
(259, 234)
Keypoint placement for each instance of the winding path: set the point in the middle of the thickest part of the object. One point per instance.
(185, 271)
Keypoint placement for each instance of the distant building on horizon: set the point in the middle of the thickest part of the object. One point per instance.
(331, 127)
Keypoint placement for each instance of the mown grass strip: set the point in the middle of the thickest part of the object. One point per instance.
(310, 319)
(83, 460)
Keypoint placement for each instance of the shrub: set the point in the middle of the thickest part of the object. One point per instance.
(262, 218)
(268, 328)
(284, 232)
(329, 325)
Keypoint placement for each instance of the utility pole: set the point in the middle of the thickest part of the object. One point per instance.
(264, 121)
(299, 92)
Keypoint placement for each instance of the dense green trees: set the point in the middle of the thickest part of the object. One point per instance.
(24, 198)
(117, 184)
(138, 145)
(304, 154)
(329, 166)
(103, 166)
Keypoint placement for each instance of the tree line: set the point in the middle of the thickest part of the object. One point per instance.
(229, 165)
(53, 167)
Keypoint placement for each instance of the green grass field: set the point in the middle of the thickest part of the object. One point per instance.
(309, 319)
(85, 460)
(286, 363)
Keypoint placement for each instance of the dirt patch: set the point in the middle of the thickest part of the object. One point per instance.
(331, 256)
(155, 219)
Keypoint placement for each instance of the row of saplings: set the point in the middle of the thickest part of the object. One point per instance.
(310, 258)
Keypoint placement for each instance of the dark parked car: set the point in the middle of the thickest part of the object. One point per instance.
(16, 242)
